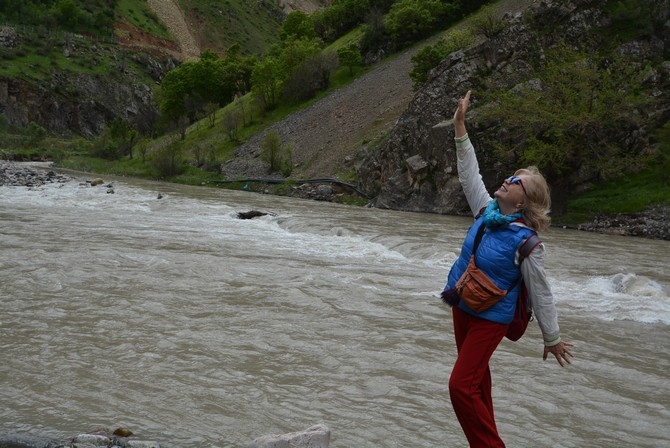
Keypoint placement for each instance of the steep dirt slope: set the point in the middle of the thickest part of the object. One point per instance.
(325, 137)
(169, 12)
(171, 15)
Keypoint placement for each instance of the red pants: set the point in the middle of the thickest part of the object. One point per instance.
(470, 381)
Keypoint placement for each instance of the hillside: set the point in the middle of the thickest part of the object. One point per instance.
(332, 137)
(377, 132)
(73, 85)
(183, 20)
(602, 108)
(169, 12)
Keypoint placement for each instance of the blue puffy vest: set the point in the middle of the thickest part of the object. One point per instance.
(495, 256)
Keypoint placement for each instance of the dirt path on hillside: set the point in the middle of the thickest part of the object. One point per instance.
(170, 14)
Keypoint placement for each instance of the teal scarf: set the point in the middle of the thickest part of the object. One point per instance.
(493, 217)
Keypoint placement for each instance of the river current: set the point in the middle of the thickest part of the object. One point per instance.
(189, 326)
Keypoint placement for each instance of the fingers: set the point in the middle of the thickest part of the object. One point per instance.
(561, 352)
(464, 102)
(462, 108)
(563, 357)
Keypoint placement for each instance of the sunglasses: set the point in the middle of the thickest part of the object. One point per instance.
(517, 180)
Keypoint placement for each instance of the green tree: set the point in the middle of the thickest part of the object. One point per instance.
(266, 80)
(350, 57)
(342, 15)
(173, 90)
(117, 140)
(297, 25)
(423, 62)
(67, 14)
(296, 51)
(281, 63)
(240, 68)
(487, 22)
(312, 76)
(123, 135)
(332, 22)
(188, 88)
(410, 20)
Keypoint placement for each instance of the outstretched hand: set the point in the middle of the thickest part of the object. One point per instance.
(462, 108)
(561, 351)
(459, 115)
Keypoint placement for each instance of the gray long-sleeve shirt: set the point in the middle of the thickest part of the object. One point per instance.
(532, 268)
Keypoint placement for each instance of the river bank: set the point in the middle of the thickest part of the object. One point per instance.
(653, 223)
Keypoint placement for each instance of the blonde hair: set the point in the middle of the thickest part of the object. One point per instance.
(538, 199)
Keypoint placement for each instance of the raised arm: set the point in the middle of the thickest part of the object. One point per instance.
(468, 167)
(459, 115)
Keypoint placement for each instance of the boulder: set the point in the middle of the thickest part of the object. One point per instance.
(250, 214)
(317, 436)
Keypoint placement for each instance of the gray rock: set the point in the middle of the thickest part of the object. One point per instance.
(8, 38)
(317, 436)
(142, 444)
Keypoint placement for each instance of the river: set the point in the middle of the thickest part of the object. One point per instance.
(189, 326)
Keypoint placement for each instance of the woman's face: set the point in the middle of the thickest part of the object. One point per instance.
(511, 195)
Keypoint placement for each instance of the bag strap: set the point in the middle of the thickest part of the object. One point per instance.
(524, 250)
(527, 246)
(478, 237)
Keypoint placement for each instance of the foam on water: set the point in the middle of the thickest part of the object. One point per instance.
(623, 296)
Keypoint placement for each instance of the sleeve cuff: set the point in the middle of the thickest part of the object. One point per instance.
(552, 342)
(461, 139)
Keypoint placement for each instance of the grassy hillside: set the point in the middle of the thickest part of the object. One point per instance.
(217, 25)
(44, 37)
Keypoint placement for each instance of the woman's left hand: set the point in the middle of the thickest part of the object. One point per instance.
(561, 351)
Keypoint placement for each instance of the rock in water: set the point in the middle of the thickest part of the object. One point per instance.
(250, 214)
(317, 436)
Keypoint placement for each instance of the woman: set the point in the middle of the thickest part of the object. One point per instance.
(519, 208)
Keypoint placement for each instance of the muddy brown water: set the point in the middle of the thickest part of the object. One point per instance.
(175, 319)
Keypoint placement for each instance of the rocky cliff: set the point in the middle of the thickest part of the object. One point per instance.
(414, 169)
(83, 103)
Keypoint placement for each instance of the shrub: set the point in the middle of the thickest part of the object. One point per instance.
(487, 22)
(167, 161)
(350, 57)
(310, 77)
(277, 156)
